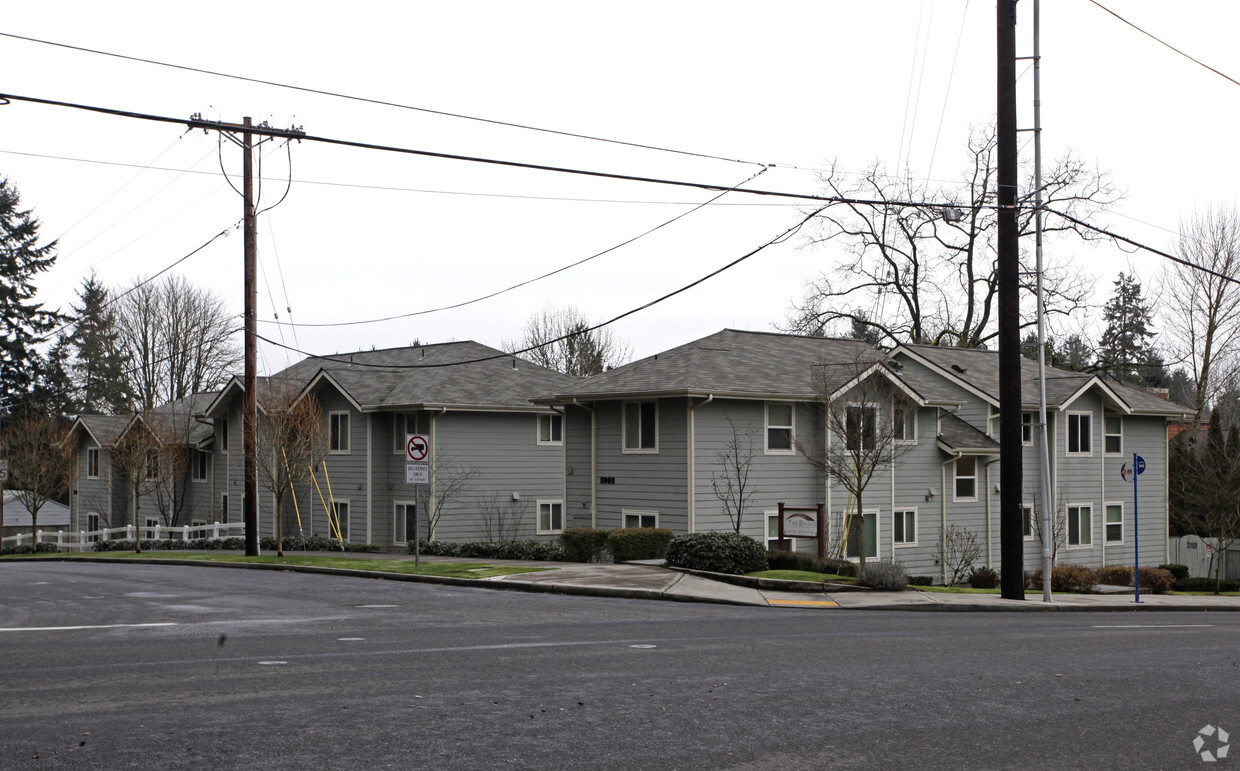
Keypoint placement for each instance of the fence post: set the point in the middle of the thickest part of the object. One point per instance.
(129, 532)
(215, 530)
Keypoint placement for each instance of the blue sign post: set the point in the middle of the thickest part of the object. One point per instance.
(1138, 468)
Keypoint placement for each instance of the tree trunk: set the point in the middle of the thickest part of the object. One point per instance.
(279, 509)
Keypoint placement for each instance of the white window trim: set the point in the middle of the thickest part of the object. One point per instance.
(403, 514)
(400, 430)
(1068, 528)
(792, 430)
(347, 531)
(223, 432)
(1123, 528)
(901, 544)
(1031, 424)
(1067, 435)
(624, 429)
(638, 513)
(98, 460)
(346, 434)
(878, 535)
(206, 474)
(1033, 525)
(538, 528)
(956, 475)
(767, 539)
(538, 430)
(912, 409)
(1120, 451)
(860, 428)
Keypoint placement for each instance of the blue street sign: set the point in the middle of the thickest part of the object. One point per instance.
(1140, 463)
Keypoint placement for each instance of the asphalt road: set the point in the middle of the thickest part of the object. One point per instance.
(113, 666)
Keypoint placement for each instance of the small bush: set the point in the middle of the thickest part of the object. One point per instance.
(40, 548)
(884, 575)
(638, 543)
(539, 551)
(583, 544)
(1178, 571)
(198, 544)
(778, 559)
(717, 552)
(1205, 585)
(921, 580)
(1068, 578)
(1155, 580)
(983, 578)
(1115, 575)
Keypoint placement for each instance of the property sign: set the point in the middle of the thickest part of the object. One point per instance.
(1128, 472)
(802, 524)
(4, 471)
(418, 447)
(417, 474)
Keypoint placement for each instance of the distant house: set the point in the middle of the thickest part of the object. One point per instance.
(53, 516)
(644, 443)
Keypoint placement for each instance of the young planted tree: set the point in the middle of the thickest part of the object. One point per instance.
(730, 480)
(292, 439)
(152, 458)
(40, 461)
(450, 482)
(958, 550)
(501, 517)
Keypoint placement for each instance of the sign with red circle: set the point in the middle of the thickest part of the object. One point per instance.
(417, 447)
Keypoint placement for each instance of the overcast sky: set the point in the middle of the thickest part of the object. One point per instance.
(364, 234)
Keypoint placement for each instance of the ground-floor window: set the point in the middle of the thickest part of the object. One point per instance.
(869, 535)
(224, 509)
(404, 521)
(641, 518)
(92, 527)
(1115, 523)
(1080, 525)
(1026, 520)
(341, 509)
(772, 533)
(148, 530)
(904, 527)
(550, 517)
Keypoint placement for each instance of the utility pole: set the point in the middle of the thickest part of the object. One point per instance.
(1011, 536)
(246, 129)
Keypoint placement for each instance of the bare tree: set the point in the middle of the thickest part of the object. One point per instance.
(40, 460)
(958, 550)
(919, 266)
(175, 338)
(450, 481)
(561, 339)
(292, 440)
(1059, 524)
(1201, 308)
(151, 456)
(731, 480)
(501, 517)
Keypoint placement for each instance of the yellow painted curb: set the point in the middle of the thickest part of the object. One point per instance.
(806, 603)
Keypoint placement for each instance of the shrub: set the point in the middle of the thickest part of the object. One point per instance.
(638, 543)
(921, 580)
(1068, 578)
(1205, 585)
(717, 552)
(1115, 575)
(40, 548)
(983, 578)
(1155, 580)
(777, 559)
(1178, 571)
(198, 544)
(885, 575)
(540, 551)
(583, 544)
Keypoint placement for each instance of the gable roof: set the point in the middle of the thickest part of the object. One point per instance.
(103, 429)
(977, 370)
(759, 365)
(959, 437)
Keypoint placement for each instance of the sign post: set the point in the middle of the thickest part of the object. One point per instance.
(1138, 468)
(417, 473)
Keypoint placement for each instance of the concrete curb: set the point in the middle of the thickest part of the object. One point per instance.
(773, 584)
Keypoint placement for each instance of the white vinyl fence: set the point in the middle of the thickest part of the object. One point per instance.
(1200, 557)
(84, 540)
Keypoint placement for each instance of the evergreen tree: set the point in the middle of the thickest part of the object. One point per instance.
(53, 390)
(23, 323)
(1126, 351)
(98, 366)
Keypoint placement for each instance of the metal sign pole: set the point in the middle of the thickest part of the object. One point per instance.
(1137, 463)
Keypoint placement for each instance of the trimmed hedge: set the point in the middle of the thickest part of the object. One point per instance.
(1205, 585)
(638, 543)
(1179, 571)
(1155, 580)
(198, 544)
(314, 543)
(777, 559)
(884, 575)
(539, 551)
(41, 548)
(583, 544)
(717, 553)
(1068, 578)
(921, 580)
(1115, 575)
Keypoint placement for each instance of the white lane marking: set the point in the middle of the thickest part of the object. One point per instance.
(350, 639)
(1150, 626)
(376, 606)
(75, 628)
(271, 663)
(643, 646)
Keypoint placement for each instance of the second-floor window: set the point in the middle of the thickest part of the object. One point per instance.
(201, 465)
(338, 430)
(223, 435)
(860, 427)
(904, 422)
(1026, 428)
(966, 478)
(641, 425)
(779, 427)
(92, 463)
(1079, 433)
(550, 429)
(1113, 434)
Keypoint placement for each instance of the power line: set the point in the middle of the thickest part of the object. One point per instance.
(786, 234)
(381, 102)
(499, 292)
(1162, 42)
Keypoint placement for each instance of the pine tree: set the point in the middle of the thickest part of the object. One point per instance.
(98, 366)
(23, 323)
(52, 389)
(1126, 350)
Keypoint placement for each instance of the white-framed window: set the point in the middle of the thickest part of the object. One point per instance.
(1026, 521)
(338, 432)
(966, 478)
(860, 427)
(223, 432)
(641, 427)
(404, 518)
(772, 533)
(403, 424)
(1113, 527)
(224, 509)
(201, 466)
(904, 527)
(92, 527)
(1080, 428)
(869, 536)
(1112, 434)
(550, 517)
(1080, 524)
(341, 508)
(148, 531)
(551, 429)
(640, 518)
(780, 428)
(1026, 428)
(92, 463)
(904, 421)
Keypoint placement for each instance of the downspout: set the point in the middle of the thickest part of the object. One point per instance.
(563, 458)
(593, 463)
(1102, 484)
(369, 472)
(989, 532)
(693, 461)
(943, 514)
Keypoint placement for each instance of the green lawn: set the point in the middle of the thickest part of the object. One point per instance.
(449, 569)
(799, 575)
